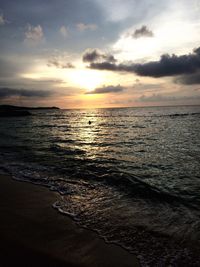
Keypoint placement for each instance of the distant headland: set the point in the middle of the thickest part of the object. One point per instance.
(17, 111)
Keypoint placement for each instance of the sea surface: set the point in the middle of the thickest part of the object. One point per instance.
(132, 175)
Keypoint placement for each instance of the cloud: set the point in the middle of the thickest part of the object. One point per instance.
(142, 32)
(13, 66)
(189, 79)
(83, 27)
(9, 68)
(2, 20)
(166, 66)
(47, 81)
(64, 31)
(34, 34)
(156, 98)
(106, 90)
(107, 66)
(165, 98)
(147, 87)
(56, 63)
(95, 55)
(8, 92)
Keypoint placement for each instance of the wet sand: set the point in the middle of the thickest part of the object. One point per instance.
(34, 234)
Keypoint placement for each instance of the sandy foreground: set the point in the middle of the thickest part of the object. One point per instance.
(34, 234)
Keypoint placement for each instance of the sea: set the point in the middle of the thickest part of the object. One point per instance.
(131, 174)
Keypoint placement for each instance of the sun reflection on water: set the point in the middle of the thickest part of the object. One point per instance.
(90, 136)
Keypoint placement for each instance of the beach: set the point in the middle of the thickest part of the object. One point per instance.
(34, 234)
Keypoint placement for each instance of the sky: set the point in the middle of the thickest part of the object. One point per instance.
(99, 53)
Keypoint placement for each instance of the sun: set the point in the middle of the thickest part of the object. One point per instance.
(86, 78)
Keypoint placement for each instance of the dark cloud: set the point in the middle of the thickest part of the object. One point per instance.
(189, 79)
(142, 32)
(170, 65)
(107, 89)
(40, 84)
(95, 55)
(166, 66)
(8, 92)
(91, 56)
(107, 66)
(56, 63)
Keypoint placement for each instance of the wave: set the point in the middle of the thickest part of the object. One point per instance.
(66, 151)
(183, 114)
(93, 201)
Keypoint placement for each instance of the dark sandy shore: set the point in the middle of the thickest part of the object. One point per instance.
(34, 234)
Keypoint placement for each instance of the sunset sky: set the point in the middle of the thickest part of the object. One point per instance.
(99, 53)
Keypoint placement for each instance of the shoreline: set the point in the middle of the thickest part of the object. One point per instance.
(34, 233)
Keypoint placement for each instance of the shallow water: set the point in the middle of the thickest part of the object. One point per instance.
(133, 175)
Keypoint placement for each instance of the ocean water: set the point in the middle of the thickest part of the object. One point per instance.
(132, 175)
